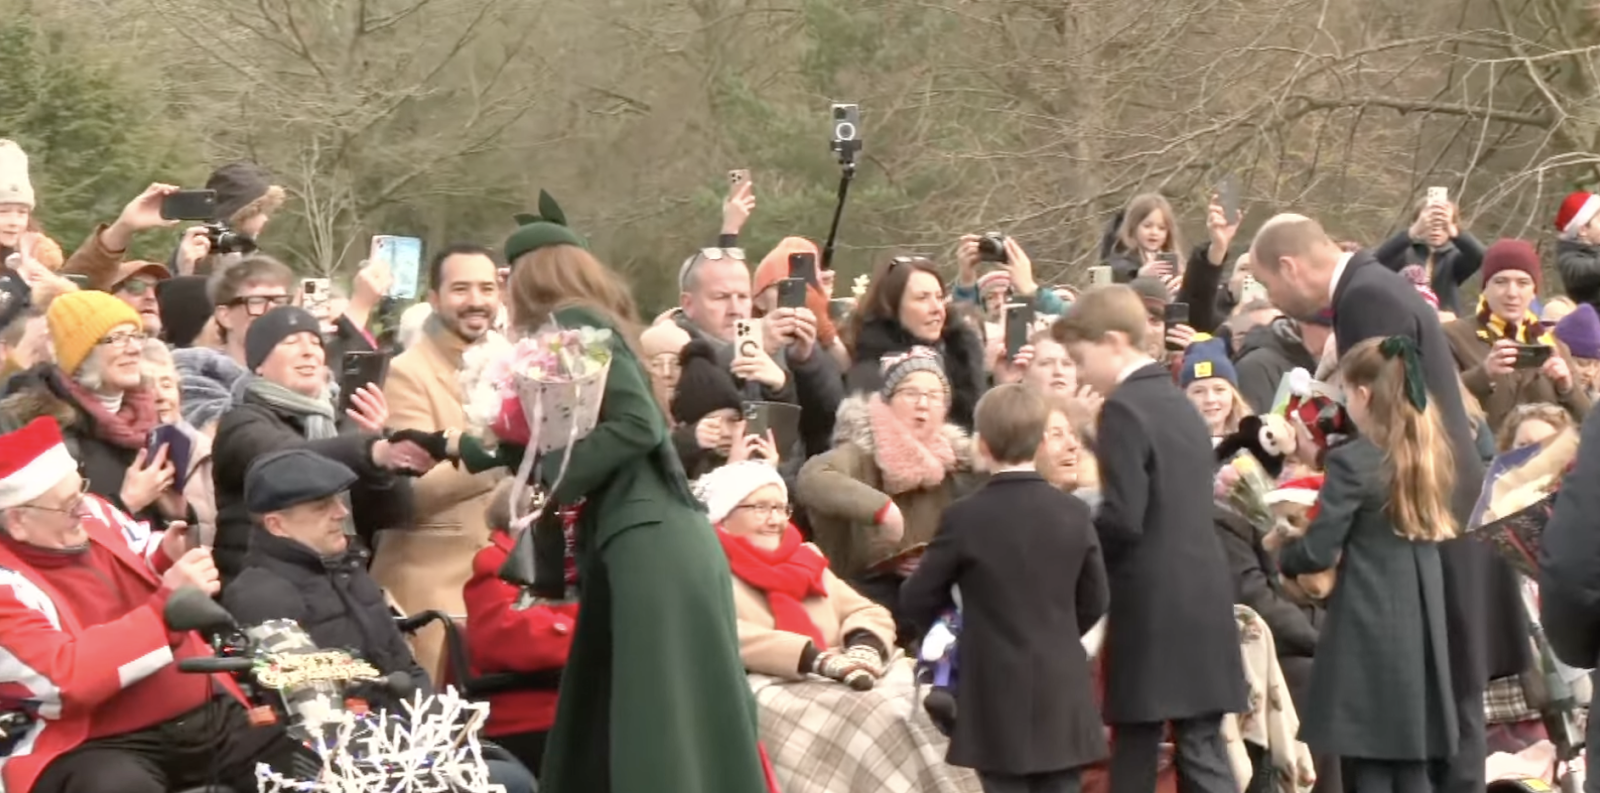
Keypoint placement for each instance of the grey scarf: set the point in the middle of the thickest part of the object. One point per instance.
(316, 415)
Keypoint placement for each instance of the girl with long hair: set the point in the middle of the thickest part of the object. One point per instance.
(1380, 690)
(654, 694)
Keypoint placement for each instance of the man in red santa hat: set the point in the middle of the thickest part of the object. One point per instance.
(85, 653)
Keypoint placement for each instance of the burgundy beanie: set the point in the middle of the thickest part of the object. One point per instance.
(1512, 254)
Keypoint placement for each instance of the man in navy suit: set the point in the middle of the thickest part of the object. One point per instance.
(1304, 271)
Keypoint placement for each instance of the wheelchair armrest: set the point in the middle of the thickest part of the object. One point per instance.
(420, 620)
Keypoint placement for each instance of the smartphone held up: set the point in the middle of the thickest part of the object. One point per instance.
(403, 255)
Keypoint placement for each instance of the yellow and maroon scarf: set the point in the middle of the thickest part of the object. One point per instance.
(1491, 328)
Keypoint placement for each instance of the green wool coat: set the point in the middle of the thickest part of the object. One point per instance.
(654, 698)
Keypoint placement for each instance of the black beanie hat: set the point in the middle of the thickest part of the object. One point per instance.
(704, 386)
(185, 308)
(271, 328)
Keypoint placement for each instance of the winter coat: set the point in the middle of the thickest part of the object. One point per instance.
(959, 346)
(424, 564)
(1256, 584)
(531, 643)
(1265, 355)
(41, 391)
(843, 491)
(1569, 567)
(333, 599)
(379, 500)
(1170, 630)
(1499, 396)
(1579, 266)
(1031, 586)
(1380, 689)
(1483, 598)
(838, 614)
(657, 605)
(1453, 265)
(68, 669)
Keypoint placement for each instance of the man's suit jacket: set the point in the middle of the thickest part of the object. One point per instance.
(1171, 639)
(1487, 620)
(1031, 584)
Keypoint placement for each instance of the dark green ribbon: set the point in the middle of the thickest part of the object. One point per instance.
(1406, 349)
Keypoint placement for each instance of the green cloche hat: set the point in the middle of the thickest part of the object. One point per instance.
(547, 228)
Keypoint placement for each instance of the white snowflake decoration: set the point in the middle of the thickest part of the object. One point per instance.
(433, 748)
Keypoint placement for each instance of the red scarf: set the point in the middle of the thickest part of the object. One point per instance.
(129, 427)
(788, 575)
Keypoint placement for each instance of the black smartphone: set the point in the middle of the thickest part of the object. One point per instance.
(1228, 197)
(1176, 314)
(1019, 326)
(1532, 356)
(180, 451)
(78, 279)
(189, 205)
(792, 293)
(804, 267)
(755, 420)
(361, 369)
(1170, 260)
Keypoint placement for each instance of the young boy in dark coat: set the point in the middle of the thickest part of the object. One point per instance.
(1172, 645)
(1027, 562)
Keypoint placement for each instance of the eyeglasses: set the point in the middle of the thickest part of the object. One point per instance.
(136, 286)
(718, 254)
(73, 508)
(767, 511)
(256, 305)
(127, 338)
(912, 395)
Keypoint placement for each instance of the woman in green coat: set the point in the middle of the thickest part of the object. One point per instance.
(654, 698)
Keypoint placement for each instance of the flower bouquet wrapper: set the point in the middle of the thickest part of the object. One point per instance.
(1519, 496)
(1247, 495)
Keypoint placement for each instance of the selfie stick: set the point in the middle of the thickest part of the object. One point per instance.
(849, 173)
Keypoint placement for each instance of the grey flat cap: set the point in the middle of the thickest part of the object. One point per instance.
(281, 480)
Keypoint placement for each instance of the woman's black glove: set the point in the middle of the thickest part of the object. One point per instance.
(436, 444)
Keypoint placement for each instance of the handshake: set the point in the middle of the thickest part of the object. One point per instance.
(858, 667)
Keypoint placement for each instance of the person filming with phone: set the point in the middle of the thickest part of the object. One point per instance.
(1506, 356)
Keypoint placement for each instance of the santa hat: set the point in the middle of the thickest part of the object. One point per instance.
(1302, 491)
(32, 460)
(723, 489)
(1576, 211)
(15, 187)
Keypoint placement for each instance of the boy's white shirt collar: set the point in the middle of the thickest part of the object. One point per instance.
(1017, 469)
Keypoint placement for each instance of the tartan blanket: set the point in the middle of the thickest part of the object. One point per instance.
(824, 737)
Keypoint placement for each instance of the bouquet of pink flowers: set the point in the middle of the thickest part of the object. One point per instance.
(543, 392)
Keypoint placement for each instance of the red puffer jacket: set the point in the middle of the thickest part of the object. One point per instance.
(503, 639)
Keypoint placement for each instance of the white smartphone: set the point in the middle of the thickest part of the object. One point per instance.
(1252, 290)
(747, 337)
(404, 257)
(314, 295)
(1438, 195)
(1100, 275)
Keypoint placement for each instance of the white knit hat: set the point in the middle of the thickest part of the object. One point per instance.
(14, 185)
(723, 489)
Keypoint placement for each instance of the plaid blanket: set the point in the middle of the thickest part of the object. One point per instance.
(827, 738)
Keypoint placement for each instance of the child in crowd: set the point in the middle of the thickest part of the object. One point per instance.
(1030, 586)
(1380, 694)
(1171, 634)
(1580, 331)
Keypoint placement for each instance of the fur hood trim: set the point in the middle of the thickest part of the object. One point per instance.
(854, 427)
(31, 395)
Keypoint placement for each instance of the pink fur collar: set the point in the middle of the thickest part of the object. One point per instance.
(907, 463)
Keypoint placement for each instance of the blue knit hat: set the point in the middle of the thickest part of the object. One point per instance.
(1580, 331)
(1207, 357)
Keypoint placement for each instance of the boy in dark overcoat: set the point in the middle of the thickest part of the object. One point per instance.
(1027, 562)
(1171, 642)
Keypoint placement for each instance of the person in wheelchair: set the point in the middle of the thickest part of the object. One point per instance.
(301, 567)
(88, 675)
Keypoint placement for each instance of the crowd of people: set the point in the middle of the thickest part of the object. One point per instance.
(891, 540)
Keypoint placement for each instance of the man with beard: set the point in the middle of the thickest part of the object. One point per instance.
(425, 567)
